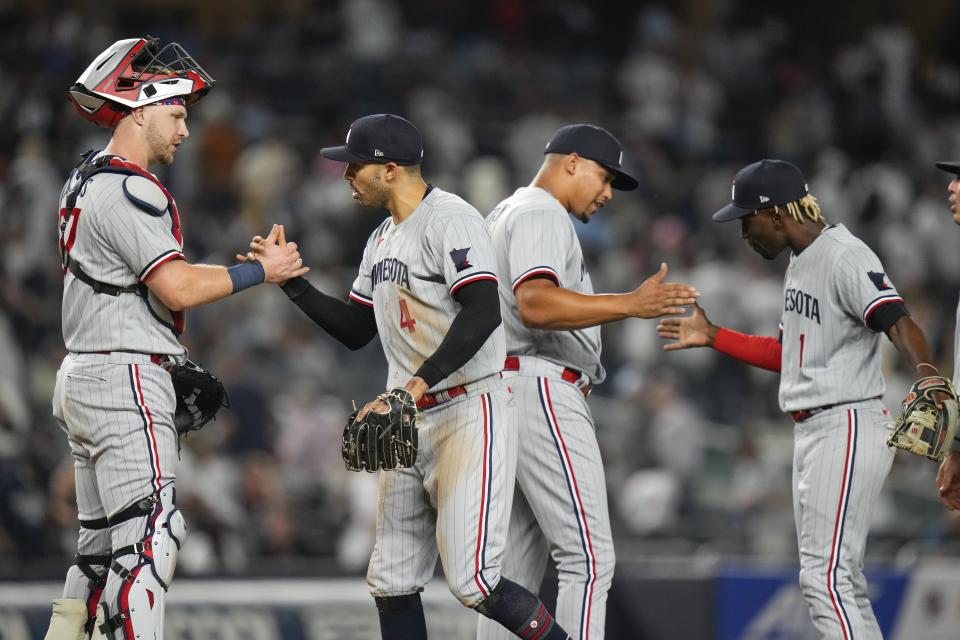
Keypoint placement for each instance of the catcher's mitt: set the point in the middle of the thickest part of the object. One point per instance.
(921, 427)
(383, 440)
(199, 396)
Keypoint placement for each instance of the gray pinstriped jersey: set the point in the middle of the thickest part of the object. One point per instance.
(409, 274)
(116, 242)
(533, 235)
(830, 355)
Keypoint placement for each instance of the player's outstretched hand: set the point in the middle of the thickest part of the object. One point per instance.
(280, 259)
(948, 481)
(694, 330)
(655, 298)
(256, 248)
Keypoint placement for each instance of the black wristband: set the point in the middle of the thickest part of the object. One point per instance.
(431, 373)
(295, 287)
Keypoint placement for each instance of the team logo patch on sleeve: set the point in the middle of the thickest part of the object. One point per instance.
(459, 257)
(879, 280)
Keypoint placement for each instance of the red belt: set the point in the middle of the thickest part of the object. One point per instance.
(430, 400)
(512, 363)
(803, 414)
(158, 359)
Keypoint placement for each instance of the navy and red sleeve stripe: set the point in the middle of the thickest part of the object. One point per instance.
(473, 277)
(358, 297)
(542, 271)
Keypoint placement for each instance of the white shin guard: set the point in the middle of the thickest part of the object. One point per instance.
(137, 609)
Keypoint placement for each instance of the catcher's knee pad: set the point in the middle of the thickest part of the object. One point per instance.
(69, 621)
(135, 609)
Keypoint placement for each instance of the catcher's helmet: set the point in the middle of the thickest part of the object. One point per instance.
(133, 73)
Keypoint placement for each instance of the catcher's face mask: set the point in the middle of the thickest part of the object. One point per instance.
(134, 73)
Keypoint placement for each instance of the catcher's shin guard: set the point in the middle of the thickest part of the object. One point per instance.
(135, 599)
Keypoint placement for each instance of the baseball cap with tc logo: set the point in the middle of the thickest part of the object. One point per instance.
(763, 184)
(379, 139)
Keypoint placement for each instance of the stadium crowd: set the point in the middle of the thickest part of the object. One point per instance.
(697, 453)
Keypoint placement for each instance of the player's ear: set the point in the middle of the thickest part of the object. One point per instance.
(391, 171)
(138, 115)
(570, 163)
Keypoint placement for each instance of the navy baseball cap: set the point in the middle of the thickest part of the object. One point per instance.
(949, 167)
(760, 185)
(379, 138)
(594, 143)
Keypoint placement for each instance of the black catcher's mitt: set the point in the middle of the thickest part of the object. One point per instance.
(921, 427)
(199, 396)
(383, 440)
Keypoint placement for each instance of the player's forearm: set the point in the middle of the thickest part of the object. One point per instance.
(558, 309)
(478, 318)
(352, 325)
(182, 286)
(912, 345)
(760, 351)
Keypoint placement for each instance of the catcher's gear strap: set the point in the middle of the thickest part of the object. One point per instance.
(479, 316)
(350, 323)
(141, 507)
(95, 586)
(96, 523)
(142, 191)
(102, 287)
(84, 563)
(139, 606)
(760, 351)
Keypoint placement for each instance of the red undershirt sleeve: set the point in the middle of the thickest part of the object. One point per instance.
(760, 351)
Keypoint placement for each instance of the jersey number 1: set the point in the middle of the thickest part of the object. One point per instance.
(801, 349)
(406, 320)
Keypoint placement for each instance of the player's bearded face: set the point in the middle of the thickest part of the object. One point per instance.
(166, 127)
(367, 183)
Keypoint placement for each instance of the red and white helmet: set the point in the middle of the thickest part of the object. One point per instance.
(133, 73)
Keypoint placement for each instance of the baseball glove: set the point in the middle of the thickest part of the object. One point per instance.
(199, 396)
(921, 427)
(383, 440)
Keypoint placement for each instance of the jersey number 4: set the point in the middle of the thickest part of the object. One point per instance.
(406, 320)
